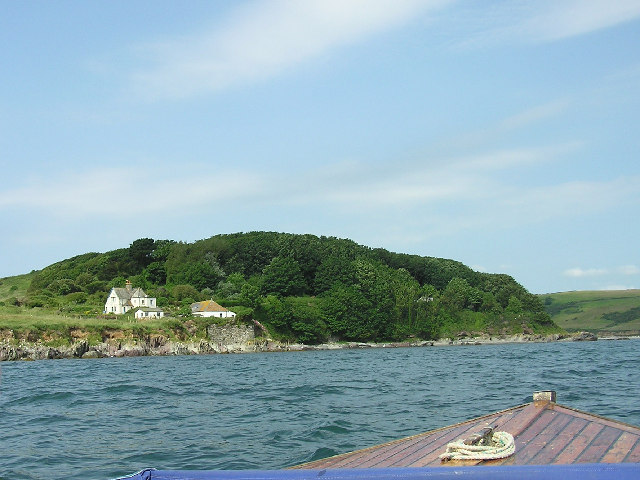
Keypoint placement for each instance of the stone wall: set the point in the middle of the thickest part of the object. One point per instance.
(231, 334)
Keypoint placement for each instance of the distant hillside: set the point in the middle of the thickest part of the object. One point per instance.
(301, 287)
(614, 312)
(12, 288)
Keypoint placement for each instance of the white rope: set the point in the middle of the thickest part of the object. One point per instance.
(502, 445)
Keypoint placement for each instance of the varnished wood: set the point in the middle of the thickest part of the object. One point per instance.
(544, 433)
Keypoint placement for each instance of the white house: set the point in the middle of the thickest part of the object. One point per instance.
(209, 308)
(149, 312)
(121, 300)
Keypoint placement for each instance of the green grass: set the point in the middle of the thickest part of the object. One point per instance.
(604, 312)
(52, 328)
(17, 286)
(35, 324)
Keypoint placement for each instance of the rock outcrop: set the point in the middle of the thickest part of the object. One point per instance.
(584, 337)
(234, 338)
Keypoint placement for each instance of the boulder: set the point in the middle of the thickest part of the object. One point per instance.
(585, 337)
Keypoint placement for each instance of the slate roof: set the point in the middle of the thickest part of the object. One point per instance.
(127, 294)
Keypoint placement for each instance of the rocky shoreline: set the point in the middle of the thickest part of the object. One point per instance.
(158, 345)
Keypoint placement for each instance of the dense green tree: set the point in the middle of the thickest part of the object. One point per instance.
(457, 294)
(140, 251)
(274, 311)
(308, 324)
(64, 286)
(199, 274)
(283, 277)
(346, 309)
(156, 273)
(362, 293)
(181, 292)
(333, 269)
(232, 286)
(250, 292)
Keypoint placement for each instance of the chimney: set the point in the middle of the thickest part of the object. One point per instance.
(128, 285)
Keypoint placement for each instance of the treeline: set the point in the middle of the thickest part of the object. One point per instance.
(302, 287)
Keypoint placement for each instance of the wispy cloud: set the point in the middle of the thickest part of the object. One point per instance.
(111, 193)
(582, 272)
(596, 272)
(617, 287)
(628, 270)
(263, 39)
(534, 115)
(568, 18)
(454, 194)
(537, 22)
(475, 140)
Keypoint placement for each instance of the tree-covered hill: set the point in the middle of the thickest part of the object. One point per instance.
(301, 287)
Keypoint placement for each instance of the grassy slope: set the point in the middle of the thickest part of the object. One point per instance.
(42, 324)
(15, 286)
(586, 310)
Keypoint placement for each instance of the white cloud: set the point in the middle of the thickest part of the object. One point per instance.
(535, 114)
(617, 287)
(594, 272)
(436, 197)
(628, 270)
(262, 39)
(112, 194)
(588, 272)
(569, 18)
(542, 21)
(575, 197)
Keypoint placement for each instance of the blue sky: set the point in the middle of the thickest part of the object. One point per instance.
(501, 134)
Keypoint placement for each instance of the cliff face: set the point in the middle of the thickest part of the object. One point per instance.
(233, 338)
(230, 338)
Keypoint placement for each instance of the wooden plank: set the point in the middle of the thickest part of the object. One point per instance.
(429, 445)
(430, 453)
(620, 449)
(536, 442)
(513, 424)
(430, 450)
(579, 444)
(388, 454)
(559, 441)
(523, 440)
(432, 458)
(544, 433)
(404, 450)
(597, 418)
(634, 454)
(599, 446)
(519, 423)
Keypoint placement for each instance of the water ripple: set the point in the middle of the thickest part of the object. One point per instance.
(108, 417)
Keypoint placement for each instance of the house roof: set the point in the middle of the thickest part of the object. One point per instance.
(139, 293)
(127, 294)
(207, 306)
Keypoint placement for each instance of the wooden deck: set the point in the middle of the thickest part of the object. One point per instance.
(544, 432)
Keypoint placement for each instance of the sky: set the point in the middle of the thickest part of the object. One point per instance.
(501, 134)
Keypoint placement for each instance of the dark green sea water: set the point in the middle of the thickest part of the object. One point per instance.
(99, 419)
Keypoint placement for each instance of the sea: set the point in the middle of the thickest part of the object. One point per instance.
(106, 418)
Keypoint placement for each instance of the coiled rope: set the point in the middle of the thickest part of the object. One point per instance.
(501, 445)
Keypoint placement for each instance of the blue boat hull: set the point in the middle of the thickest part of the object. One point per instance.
(600, 471)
